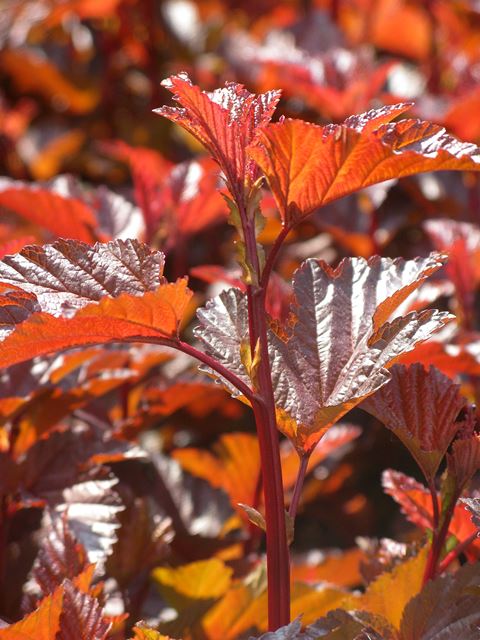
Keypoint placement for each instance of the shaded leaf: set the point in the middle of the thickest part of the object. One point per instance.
(289, 632)
(60, 555)
(195, 508)
(448, 607)
(202, 580)
(420, 406)
(309, 165)
(342, 343)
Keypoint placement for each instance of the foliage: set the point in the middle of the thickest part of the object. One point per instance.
(302, 221)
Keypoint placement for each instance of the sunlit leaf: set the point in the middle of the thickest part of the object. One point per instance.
(82, 616)
(125, 270)
(388, 595)
(343, 342)
(41, 624)
(225, 121)
(420, 406)
(308, 165)
(62, 216)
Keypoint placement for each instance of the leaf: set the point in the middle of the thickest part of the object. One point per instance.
(473, 505)
(202, 580)
(63, 216)
(308, 165)
(82, 617)
(464, 460)
(223, 329)
(289, 632)
(234, 466)
(225, 121)
(125, 270)
(195, 508)
(41, 624)
(60, 555)
(68, 275)
(420, 406)
(142, 541)
(91, 509)
(192, 589)
(342, 343)
(448, 607)
(144, 633)
(32, 73)
(405, 581)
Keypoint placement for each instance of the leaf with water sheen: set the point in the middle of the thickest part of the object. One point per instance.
(308, 165)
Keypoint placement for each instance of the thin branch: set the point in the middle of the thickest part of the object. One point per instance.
(302, 470)
(435, 505)
(217, 367)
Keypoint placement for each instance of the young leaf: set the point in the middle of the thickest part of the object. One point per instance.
(342, 341)
(420, 407)
(225, 121)
(290, 632)
(309, 165)
(66, 276)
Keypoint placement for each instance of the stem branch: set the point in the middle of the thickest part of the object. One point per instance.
(302, 470)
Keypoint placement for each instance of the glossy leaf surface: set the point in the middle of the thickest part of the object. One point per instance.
(308, 165)
(343, 340)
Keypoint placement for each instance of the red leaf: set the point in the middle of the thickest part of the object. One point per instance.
(420, 407)
(225, 121)
(82, 617)
(65, 217)
(309, 165)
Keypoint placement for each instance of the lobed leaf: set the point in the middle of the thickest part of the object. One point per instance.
(66, 276)
(448, 607)
(420, 406)
(341, 344)
(308, 165)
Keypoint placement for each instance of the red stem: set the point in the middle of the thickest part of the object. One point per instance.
(216, 366)
(454, 553)
(278, 556)
(297, 490)
(439, 537)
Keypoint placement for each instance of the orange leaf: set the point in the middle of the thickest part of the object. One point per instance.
(65, 217)
(155, 316)
(308, 165)
(34, 74)
(41, 624)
